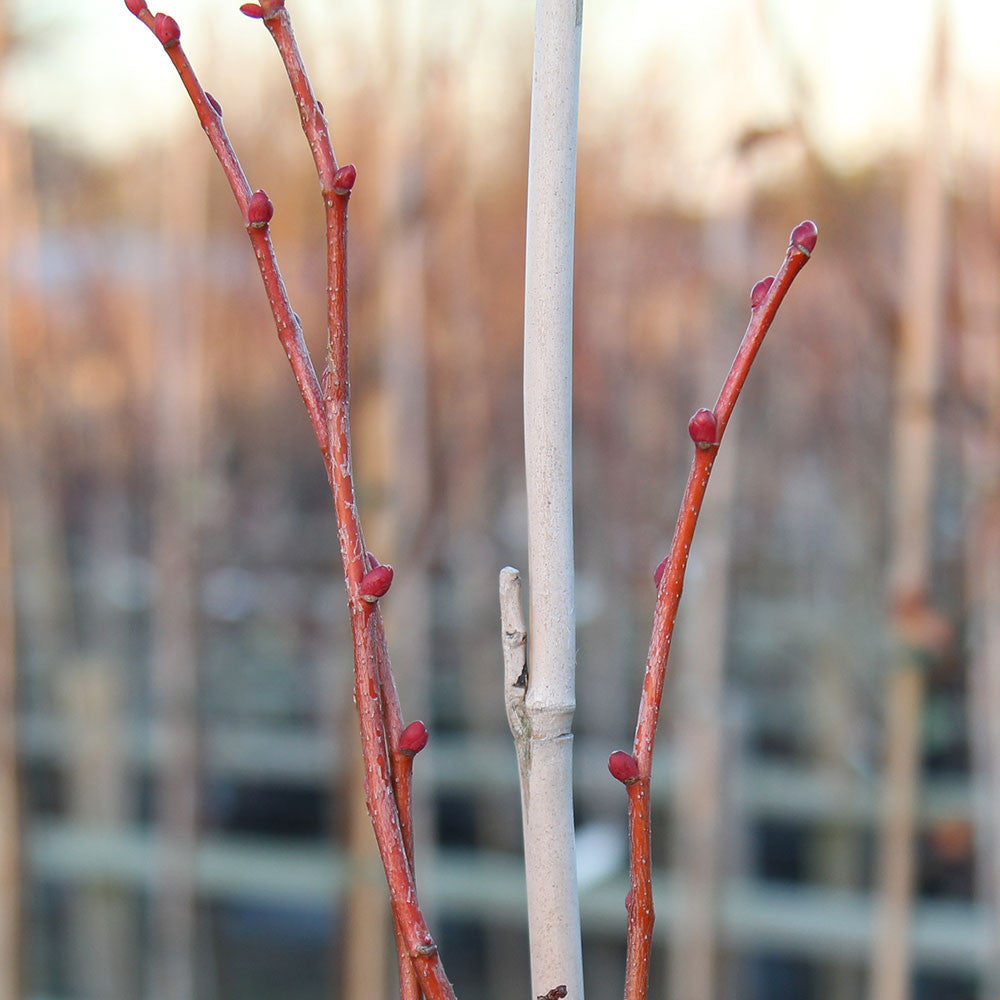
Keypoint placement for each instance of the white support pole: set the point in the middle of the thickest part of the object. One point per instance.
(550, 699)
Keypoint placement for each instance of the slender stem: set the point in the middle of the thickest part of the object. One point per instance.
(402, 784)
(640, 909)
(418, 958)
(311, 114)
(639, 901)
(384, 814)
(375, 689)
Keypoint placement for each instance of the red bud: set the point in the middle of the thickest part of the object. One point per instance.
(252, 10)
(703, 430)
(166, 30)
(624, 767)
(375, 583)
(413, 739)
(319, 104)
(136, 6)
(804, 237)
(660, 570)
(216, 106)
(759, 291)
(271, 7)
(260, 210)
(344, 178)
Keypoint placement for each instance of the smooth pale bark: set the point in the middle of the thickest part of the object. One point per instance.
(550, 700)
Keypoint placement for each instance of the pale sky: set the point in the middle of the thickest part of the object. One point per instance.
(90, 73)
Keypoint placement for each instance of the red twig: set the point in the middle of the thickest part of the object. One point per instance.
(386, 776)
(285, 320)
(706, 429)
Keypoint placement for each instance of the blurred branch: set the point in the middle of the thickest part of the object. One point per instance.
(918, 632)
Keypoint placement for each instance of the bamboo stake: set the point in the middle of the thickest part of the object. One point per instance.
(545, 742)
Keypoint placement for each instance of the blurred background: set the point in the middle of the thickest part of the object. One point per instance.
(180, 814)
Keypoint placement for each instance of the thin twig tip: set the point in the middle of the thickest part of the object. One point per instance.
(167, 30)
(804, 237)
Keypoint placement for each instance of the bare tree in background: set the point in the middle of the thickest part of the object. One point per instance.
(917, 633)
(179, 431)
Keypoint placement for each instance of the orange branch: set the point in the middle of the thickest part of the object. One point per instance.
(706, 429)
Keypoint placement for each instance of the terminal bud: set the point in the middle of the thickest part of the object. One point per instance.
(166, 30)
(804, 237)
(136, 6)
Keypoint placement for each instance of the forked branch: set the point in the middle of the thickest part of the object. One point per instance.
(387, 748)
